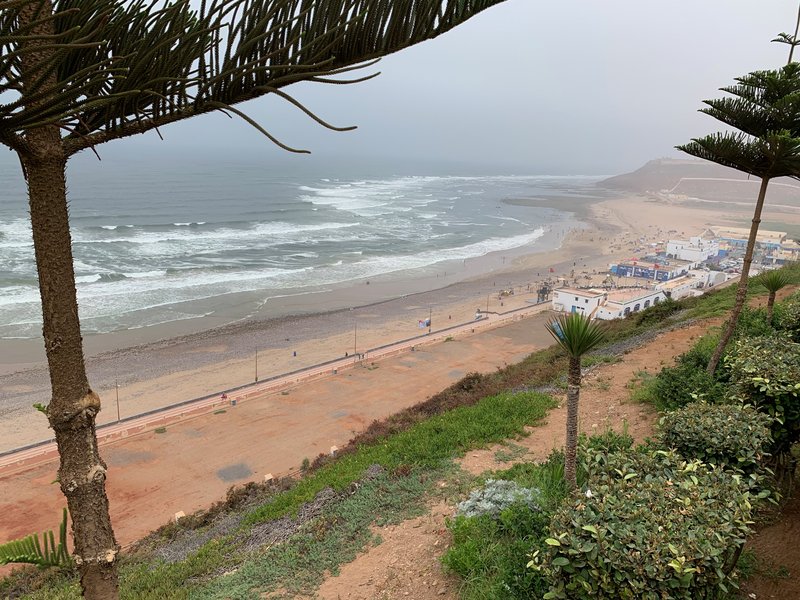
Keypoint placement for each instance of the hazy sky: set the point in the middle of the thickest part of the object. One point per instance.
(571, 86)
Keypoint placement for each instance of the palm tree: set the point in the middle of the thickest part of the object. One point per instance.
(773, 281)
(577, 335)
(765, 108)
(75, 74)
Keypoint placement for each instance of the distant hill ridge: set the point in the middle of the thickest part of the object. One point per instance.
(700, 179)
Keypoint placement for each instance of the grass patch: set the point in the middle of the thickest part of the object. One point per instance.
(299, 565)
(642, 387)
(160, 430)
(510, 453)
(428, 444)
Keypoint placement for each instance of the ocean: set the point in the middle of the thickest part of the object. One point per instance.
(152, 245)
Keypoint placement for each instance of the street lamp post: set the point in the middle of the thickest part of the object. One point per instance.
(256, 365)
(116, 386)
(355, 339)
(487, 301)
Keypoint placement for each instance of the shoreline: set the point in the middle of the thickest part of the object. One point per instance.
(182, 365)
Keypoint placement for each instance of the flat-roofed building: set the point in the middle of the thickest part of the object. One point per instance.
(621, 303)
(738, 236)
(574, 300)
(652, 268)
(695, 249)
(603, 304)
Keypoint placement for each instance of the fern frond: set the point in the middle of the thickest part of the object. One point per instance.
(29, 550)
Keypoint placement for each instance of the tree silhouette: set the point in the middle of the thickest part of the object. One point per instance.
(577, 335)
(765, 108)
(78, 73)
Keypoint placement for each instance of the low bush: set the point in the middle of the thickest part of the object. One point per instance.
(727, 435)
(683, 384)
(652, 526)
(765, 372)
(657, 313)
(787, 316)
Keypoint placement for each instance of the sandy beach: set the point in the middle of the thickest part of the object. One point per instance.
(162, 365)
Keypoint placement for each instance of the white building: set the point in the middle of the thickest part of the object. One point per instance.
(680, 287)
(621, 303)
(606, 305)
(695, 249)
(582, 301)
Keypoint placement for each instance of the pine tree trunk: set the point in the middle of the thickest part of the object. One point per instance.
(770, 307)
(571, 446)
(73, 405)
(741, 291)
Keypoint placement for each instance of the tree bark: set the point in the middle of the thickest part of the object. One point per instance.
(741, 291)
(770, 307)
(73, 405)
(571, 446)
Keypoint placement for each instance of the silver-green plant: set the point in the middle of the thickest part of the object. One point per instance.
(495, 497)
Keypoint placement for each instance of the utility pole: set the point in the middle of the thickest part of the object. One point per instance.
(355, 339)
(256, 364)
(487, 301)
(116, 386)
(430, 319)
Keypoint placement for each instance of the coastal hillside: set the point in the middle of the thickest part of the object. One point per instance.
(699, 179)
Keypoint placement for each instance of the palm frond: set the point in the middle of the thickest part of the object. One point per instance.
(114, 68)
(576, 334)
(43, 554)
(773, 280)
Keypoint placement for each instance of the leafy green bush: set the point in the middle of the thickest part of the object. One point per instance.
(682, 384)
(657, 313)
(727, 435)
(787, 316)
(766, 373)
(652, 526)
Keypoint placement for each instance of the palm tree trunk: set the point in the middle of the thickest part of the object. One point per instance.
(770, 307)
(741, 291)
(571, 446)
(73, 406)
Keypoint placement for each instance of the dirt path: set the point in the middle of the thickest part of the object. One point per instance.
(406, 564)
(777, 548)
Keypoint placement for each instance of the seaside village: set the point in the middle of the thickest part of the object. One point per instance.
(669, 268)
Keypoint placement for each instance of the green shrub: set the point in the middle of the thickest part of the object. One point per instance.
(787, 316)
(682, 384)
(765, 372)
(727, 435)
(607, 442)
(657, 313)
(652, 527)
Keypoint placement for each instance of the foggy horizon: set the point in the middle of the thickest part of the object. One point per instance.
(569, 89)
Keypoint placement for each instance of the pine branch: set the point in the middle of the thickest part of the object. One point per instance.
(123, 68)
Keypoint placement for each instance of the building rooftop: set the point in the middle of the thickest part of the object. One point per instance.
(628, 295)
(675, 283)
(741, 233)
(590, 293)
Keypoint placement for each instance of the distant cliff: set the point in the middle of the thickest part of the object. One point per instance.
(700, 179)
